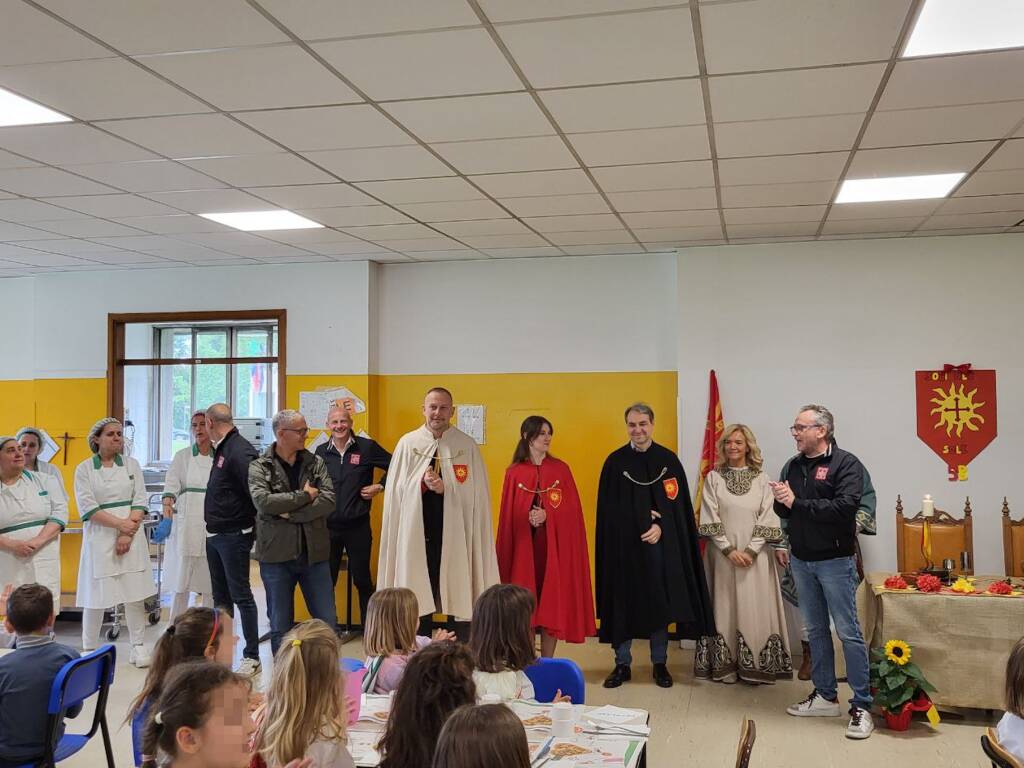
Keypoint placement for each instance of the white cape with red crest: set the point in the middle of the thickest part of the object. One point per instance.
(468, 561)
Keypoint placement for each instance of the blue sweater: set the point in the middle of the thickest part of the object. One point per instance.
(26, 676)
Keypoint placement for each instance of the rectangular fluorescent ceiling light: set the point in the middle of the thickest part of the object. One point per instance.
(258, 221)
(897, 188)
(955, 26)
(15, 110)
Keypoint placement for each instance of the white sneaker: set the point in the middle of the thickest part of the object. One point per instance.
(249, 667)
(814, 705)
(139, 657)
(861, 725)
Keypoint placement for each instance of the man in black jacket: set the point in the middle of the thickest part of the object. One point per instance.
(230, 520)
(819, 496)
(350, 462)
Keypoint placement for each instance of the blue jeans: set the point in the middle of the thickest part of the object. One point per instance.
(829, 587)
(280, 579)
(228, 555)
(659, 649)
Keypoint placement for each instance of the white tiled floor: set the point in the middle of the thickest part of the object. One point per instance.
(693, 723)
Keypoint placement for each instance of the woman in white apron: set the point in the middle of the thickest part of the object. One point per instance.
(32, 514)
(185, 567)
(31, 440)
(114, 568)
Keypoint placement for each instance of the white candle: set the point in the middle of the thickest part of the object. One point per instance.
(928, 506)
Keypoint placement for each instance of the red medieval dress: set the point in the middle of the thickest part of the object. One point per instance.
(552, 560)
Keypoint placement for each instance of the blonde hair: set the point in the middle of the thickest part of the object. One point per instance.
(391, 622)
(754, 460)
(306, 701)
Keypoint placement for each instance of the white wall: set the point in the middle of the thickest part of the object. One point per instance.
(327, 311)
(17, 297)
(846, 324)
(596, 313)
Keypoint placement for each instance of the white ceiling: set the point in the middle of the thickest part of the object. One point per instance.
(453, 129)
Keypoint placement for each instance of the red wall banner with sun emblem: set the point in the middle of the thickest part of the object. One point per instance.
(956, 414)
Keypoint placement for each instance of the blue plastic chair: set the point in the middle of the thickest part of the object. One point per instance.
(351, 665)
(138, 724)
(551, 675)
(78, 680)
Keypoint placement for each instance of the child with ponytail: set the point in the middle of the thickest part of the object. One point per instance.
(304, 715)
(196, 634)
(201, 719)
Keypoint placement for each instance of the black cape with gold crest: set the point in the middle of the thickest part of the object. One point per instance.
(643, 587)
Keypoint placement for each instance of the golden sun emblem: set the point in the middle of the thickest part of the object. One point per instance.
(956, 409)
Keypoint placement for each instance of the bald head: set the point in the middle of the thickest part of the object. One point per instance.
(219, 421)
(339, 424)
(437, 410)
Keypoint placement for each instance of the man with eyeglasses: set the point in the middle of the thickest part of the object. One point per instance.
(294, 496)
(819, 496)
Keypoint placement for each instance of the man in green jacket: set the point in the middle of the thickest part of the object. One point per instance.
(293, 495)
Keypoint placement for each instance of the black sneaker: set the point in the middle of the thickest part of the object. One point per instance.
(621, 674)
(662, 677)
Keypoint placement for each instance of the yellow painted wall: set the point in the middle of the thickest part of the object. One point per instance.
(585, 408)
(58, 406)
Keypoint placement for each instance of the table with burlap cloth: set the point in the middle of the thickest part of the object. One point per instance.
(960, 642)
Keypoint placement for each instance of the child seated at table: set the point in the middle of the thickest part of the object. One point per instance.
(1011, 727)
(437, 681)
(304, 714)
(196, 634)
(201, 720)
(501, 638)
(27, 674)
(390, 639)
(488, 736)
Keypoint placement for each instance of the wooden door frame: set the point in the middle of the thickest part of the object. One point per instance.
(116, 321)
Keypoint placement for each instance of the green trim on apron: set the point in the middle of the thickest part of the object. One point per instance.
(20, 526)
(109, 505)
(61, 523)
(97, 463)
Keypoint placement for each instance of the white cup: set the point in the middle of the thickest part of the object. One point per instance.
(562, 720)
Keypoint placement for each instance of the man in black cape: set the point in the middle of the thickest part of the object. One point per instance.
(649, 569)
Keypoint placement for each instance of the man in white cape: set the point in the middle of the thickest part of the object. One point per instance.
(437, 538)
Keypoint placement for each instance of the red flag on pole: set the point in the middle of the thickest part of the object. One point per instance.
(713, 428)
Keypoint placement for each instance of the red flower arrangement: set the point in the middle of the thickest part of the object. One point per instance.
(1000, 588)
(896, 582)
(928, 583)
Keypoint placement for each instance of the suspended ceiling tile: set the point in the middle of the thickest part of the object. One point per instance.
(464, 118)
(604, 49)
(345, 127)
(254, 78)
(446, 63)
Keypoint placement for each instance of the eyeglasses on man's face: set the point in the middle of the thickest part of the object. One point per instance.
(304, 431)
(798, 429)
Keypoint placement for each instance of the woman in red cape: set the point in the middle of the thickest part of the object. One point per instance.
(542, 541)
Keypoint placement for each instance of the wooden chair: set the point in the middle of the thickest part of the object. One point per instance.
(1013, 543)
(949, 538)
(994, 750)
(748, 733)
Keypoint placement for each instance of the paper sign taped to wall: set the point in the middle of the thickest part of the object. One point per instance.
(317, 404)
(470, 419)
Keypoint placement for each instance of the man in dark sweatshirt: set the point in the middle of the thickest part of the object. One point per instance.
(819, 497)
(230, 520)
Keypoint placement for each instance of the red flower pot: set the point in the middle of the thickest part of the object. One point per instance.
(900, 721)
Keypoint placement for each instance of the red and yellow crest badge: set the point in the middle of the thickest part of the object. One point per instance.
(555, 497)
(671, 486)
(461, 472)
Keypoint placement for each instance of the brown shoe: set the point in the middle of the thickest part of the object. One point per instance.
(805, 664)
